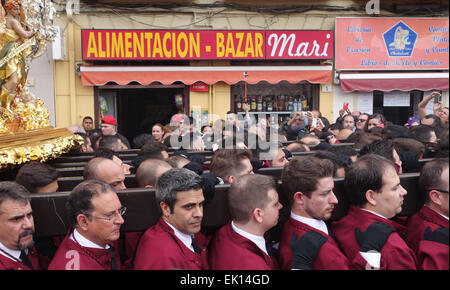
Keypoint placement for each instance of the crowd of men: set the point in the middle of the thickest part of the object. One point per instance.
(371, 234)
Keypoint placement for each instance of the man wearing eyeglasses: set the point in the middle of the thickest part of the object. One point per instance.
(428, 229)
(95, 214)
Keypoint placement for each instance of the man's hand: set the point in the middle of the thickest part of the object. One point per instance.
(374, 238)
(440, 235)
(306, 249)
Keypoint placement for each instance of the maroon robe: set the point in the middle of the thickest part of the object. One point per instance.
(72, 256)
(231, 251)
(38, 262)
(160, 249)
(329, 257)
(431, 255)
(395, 255)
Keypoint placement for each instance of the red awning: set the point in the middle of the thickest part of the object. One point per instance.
(367, 82)
(122, 75)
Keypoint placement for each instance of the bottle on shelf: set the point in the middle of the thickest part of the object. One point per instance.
(304, 103)
(238, 102)
(253, 104)
(259, 105)
(295, 104)
(269, 100)
(281, 103)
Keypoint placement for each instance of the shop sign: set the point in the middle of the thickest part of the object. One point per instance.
(207, 45)
(199, 87)
(392, 44)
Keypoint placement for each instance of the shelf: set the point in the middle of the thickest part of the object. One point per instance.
(273, 112)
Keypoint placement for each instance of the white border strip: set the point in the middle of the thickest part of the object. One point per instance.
(201, 68)
(379, 76)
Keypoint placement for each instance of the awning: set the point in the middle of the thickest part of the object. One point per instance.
(122, 75)
(367, 82)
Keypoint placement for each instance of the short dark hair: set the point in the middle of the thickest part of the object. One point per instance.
(338, 161)
(89, 118)
(430, 176)
(174, 181)
(421, 133)
(153, 149)
(394, 131)
(248, 192)
(35, 174)
(302, 173)
(10, 190)
(141, 139)
(105, 153)
(383, 147)
(227, 162)
(80, 199)
(109, 141)
(365, 174)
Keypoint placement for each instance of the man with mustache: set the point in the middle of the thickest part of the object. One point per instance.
(95, 214)
(175, 242)
(16, 230)
(375, 194)
(308, 184)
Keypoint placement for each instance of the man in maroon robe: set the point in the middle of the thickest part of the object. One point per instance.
(375, 195)
(175, 241)
(428, 229)
(95, 213)
(308, 183)
(16, 230)
(254, 209)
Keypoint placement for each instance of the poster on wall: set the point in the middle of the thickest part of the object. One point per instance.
(365, 102)
(396, 99)
(392, 43)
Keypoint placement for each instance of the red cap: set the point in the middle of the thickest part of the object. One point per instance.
(109, 120)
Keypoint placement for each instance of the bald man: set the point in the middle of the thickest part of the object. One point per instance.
(105, 170)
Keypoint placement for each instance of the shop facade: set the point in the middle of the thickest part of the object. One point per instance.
(273, 72)
(192, 78)
(387, 65)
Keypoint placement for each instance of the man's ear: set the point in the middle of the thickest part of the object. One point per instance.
(165, 209)
(299, 198)
(372, 197)
(435, 197)
(258, 215)
(83, 222)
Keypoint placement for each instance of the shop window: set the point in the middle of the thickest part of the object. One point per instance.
(282, 98)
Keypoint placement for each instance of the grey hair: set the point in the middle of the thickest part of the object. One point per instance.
(174, 181)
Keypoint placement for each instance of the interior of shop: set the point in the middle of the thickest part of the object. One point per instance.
(139, 108)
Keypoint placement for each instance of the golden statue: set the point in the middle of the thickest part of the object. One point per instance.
(25, 28)
(25, 132)
(13, 53)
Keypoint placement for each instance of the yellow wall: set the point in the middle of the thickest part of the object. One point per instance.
(326, 101)
(73, 101)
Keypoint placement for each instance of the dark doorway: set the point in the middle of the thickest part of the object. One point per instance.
(140, 109)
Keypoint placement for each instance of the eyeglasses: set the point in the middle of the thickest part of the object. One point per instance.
(115, 215)
(440, 190)
(361, 120)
